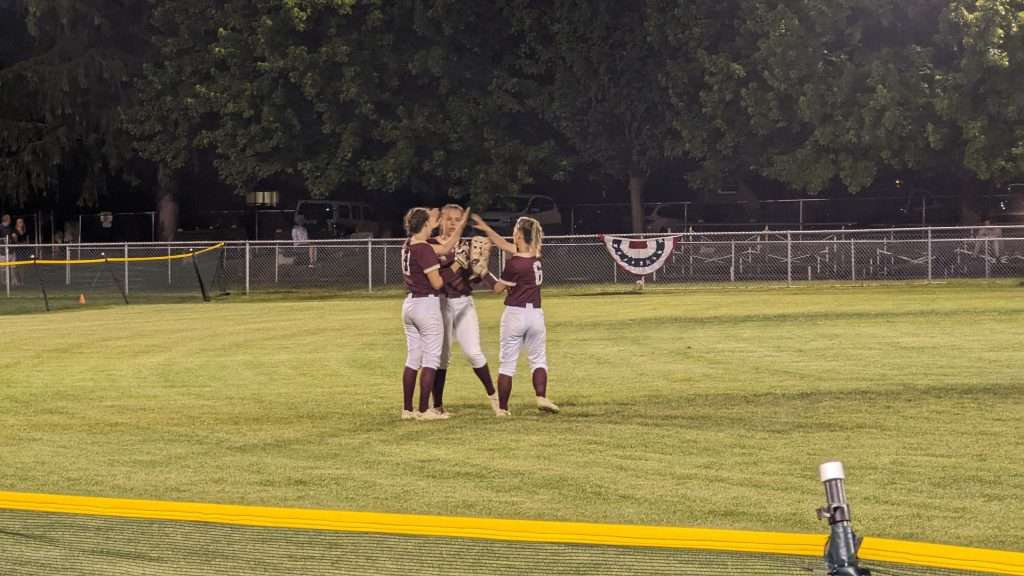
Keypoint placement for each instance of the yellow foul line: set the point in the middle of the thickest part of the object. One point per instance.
(873, 549)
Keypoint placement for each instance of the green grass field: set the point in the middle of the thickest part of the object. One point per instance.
(707, 408)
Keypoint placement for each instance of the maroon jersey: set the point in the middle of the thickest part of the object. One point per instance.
(456, 282)
(417, 261)
(523, 276)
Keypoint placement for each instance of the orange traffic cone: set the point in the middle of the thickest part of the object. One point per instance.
(81, 298)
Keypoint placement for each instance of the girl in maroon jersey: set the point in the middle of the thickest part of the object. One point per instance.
(459, 310)
(421, 313)
(522, 323)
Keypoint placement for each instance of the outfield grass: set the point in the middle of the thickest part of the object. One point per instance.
(698, 408)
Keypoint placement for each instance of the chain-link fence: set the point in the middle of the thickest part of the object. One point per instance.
(370, 264)
(60, 276)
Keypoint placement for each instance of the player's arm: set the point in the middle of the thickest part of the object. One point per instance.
(496, 238)
(507, 280)
(430, 264)
(434, 276)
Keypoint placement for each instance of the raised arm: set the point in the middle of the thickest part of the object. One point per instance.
(496, 238)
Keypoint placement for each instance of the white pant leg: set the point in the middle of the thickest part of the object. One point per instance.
(466, 330)
(448, 316)
(413, 342)
(513, 327)
(536, 339)
(424, 332)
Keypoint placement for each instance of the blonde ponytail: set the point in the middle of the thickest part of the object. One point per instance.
(532, 234)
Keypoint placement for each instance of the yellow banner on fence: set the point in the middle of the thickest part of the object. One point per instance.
(117, 260)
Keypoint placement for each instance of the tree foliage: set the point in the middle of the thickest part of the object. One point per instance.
(62, 89)
(379, 94)
(477, 99)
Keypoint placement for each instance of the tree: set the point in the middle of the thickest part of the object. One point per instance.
(381, 94)
(167, 115)
(598, 85)
(978, 95)
(61, 92)
(807, 92)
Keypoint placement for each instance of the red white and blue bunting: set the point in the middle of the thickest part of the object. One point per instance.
(640, 256)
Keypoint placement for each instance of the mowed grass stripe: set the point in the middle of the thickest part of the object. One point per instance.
(695, 408)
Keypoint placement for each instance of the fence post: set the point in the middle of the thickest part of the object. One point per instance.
(168, 265)
(853, 261)
(275, 263)
(246, 267)
(369, 264)
(988, 264)
(789, 259)
(929, 255)
(732, 265)
(67, 266)
(7, 269)
(126, 268)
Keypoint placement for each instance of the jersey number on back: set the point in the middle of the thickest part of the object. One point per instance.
(406, 265)
(538, 274)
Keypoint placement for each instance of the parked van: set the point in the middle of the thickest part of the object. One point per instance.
(336, 219)
(504, 212)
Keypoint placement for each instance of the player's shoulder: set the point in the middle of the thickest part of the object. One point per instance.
(419, 248)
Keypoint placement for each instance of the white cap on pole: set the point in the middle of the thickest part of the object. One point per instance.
(831, 471)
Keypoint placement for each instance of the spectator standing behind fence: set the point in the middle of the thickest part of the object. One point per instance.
(19, 236)
(300, 236)
(55, 250)
(991, 236)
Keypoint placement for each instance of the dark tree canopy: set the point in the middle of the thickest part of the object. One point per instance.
(478, 99)
(61, 90)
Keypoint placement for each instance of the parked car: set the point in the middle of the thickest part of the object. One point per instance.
(1010, 210)
(502, 215)
(334, 219)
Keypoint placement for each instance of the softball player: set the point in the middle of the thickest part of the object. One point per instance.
(421, 313)
(522, 323)
(461, 323)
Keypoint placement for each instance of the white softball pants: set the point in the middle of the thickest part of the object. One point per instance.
(462, 325)
(523, 327)
(424, 332)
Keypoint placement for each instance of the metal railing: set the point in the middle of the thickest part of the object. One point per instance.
(372, 264)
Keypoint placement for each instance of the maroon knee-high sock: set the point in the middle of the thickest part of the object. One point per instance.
(408, 388)
(426, 387)
(504, 390)
(540, 382)
(438, 393)
(484, 374)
